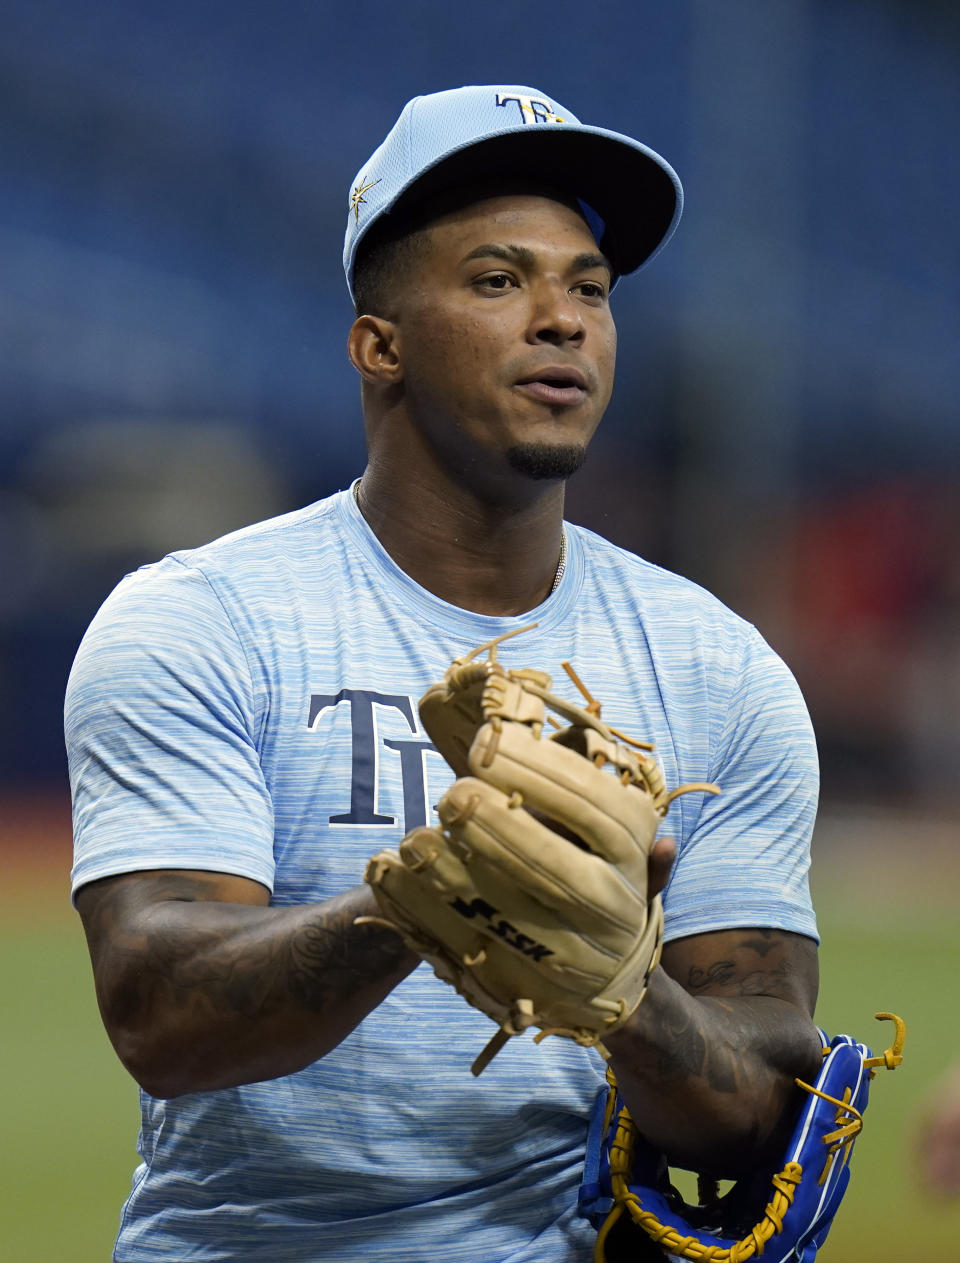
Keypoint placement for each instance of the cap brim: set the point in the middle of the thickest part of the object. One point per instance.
(636, 193)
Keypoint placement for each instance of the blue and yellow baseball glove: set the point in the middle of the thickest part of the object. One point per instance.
(783, 1216)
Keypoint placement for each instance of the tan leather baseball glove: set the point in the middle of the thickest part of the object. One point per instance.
(531, 898)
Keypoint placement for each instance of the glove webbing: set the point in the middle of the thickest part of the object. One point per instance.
(667, 1237)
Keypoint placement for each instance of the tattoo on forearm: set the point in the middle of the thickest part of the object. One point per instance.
(687, 1053)
(712, 1041)
(328, 961)
(231, 958)
(707, 1067)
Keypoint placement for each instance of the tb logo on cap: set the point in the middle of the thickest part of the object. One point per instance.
(533, 109)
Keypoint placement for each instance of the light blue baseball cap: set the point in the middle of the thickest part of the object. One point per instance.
(631, 197)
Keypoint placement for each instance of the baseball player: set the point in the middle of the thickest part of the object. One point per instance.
(244, 735)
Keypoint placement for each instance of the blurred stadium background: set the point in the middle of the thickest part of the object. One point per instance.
(785, 431)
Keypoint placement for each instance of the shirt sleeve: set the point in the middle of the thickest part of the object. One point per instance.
(161, 731)
(747, 859)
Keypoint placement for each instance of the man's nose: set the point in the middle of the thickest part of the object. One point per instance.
(556, 316)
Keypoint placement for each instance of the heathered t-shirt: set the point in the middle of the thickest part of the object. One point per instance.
(249, 707)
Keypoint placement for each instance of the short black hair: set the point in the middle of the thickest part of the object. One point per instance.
(384, 253)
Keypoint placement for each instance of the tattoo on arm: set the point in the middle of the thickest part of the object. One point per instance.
(736, 963)
(686, 1053)
(242, 959)
(725, 975)
(706, 1064)
(332, 958)
(733, 975)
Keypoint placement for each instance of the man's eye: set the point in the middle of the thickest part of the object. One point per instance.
(496, 280)
(591, 289)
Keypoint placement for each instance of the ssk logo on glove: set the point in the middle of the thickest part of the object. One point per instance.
(478, 907)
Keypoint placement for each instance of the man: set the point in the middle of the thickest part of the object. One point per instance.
(243, 734)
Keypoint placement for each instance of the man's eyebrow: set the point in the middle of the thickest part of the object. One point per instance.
(522, 254)
(509, 254)
(592, 259)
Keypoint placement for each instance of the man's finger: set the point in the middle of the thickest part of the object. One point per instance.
(662, 856)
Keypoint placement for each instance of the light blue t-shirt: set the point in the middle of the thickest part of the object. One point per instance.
(249, 707)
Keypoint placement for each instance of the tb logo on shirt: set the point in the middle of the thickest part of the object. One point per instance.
(367, 747)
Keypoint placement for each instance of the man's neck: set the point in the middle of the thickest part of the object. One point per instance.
(498, 558)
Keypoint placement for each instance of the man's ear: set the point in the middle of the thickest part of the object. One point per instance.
(373, 347)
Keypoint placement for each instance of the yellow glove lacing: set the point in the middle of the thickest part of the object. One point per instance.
(839, 1142)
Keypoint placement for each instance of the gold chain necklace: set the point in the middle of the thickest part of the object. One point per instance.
(563, 544)
(563, 561)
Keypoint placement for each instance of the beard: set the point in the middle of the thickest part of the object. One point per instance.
(547, 461)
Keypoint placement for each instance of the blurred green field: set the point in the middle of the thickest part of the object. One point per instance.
(889, 920)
